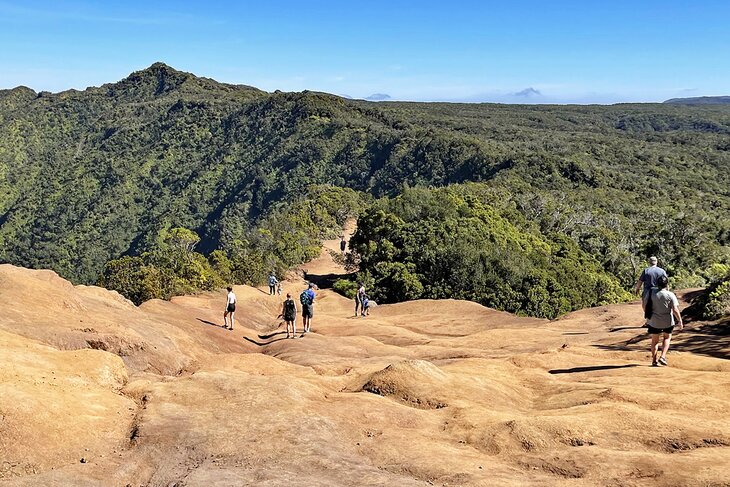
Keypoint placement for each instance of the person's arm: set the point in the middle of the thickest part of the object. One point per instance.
(677, 313)
(639, 281)
(637, 286)
(678, 316)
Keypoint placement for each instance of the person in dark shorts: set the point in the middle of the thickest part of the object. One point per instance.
(359, 295)
(665, 308)
(648, 278)
(343, 244)
(366, 305)
(230, 308)
(273, 281)
(307, 300)
(289, 313)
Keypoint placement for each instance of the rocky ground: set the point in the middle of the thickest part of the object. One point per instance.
(95, 391)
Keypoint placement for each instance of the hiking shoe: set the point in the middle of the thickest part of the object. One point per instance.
(662, 361)
(654, 364)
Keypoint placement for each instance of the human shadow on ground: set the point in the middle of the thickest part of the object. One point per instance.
(575, 333)
(209, 323)
(710, 339)
(621, 328)
(261, 344)
(591, 368)
(272, 335)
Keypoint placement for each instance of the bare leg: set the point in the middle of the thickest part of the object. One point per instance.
(232, 313)
(225, 319)
(294, 327)
(665, 344)
(654, 348)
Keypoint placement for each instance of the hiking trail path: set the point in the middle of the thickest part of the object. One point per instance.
(95, 391)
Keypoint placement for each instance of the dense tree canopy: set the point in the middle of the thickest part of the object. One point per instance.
(90, 176)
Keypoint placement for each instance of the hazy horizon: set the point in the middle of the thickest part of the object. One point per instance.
(476, 52)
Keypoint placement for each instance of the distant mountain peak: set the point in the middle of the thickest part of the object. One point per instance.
(528, 92)
(701, 100)
(378, 97)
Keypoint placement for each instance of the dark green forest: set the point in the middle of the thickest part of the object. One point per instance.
(88, 177)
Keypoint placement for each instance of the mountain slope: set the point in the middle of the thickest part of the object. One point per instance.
(701, 100)
(86, 176)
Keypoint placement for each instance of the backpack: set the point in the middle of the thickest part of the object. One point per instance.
(305, 298)
(289, 308)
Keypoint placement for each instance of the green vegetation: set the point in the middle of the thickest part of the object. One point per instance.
(287, 237)
(714, 303)
(462, 242)
(88, 177)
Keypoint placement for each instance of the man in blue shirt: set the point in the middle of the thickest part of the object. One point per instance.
(649, 277)
(307, 300)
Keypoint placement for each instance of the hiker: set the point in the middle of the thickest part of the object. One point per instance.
(289, 313)
(649, 277)
(230, 308)
(359, 297)
(307, 300)
(343, 244)
(279, 288)
(665, 308)
(366, 305)
(273, 281)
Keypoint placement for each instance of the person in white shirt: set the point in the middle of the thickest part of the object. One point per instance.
(230, 308)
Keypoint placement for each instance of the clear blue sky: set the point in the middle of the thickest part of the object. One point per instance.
(566, 51)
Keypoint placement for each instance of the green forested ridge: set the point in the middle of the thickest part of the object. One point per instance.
(285, 237)
(467, 243)
(90, 176)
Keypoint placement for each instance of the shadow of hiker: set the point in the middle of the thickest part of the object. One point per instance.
(591, 368)
(621, 328)
(709, 339)
(271, 335)
(209, 323)
(261, 344)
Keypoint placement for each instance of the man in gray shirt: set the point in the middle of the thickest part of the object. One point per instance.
(665, 308)
(649, 278)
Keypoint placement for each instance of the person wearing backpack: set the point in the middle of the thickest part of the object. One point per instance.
(273, 281)
(289, 313)
(366, 305)
(307, 300)
(648, 278)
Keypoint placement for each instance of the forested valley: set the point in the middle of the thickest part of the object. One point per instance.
(166, 183)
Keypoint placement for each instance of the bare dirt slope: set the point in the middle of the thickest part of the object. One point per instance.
(94, 391)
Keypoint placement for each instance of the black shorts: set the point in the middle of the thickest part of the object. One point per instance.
(659, 331)
(289, 317)
(231, 308)
(307, 311)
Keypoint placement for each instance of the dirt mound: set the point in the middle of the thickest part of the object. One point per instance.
(413, 382)
(96, 391)
(57, 408)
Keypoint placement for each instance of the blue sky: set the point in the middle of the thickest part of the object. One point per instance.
(527, 51)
